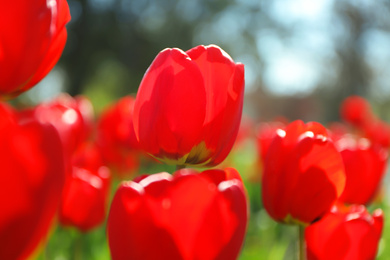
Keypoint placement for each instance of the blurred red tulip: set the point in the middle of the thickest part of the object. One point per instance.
(85, 198)
(345, 234)
(265, 134)
(356, 110)
(337, 131)
(86, 193)
(33, 35)
(184, 216)
(378, 132)
(72, 117)
(303, 174)
(116, 138)
(87, 156)
(31, 181)
(189, 105)
(365, 166)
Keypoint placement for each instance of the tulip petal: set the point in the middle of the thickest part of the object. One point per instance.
(224, 81)
(30, 187)
(184, 216)
(170, 106)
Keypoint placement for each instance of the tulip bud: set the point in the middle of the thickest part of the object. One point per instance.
(189, 104)
(345, 233)
(303, 174)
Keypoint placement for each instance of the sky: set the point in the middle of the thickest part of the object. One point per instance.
(293, 67)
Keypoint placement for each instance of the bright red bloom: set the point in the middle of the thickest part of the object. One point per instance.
(189, 105)
(303, 174)
(85, 198)
(72, 117)
(31, 181)
(116, 138)
(265, 134)
(356, 111)
(365, 166)
(33, 35)
(345, 234)
(184, 216)
(378, 132)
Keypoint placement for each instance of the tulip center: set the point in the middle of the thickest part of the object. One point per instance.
(199, 155)
(292, 221)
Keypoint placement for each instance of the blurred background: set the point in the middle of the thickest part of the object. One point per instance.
(302, 58)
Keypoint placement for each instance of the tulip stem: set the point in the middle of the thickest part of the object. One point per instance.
(78, 252)
(301, 243)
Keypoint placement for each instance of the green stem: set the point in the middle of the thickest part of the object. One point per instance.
(45, 252)
(301, 243)
(78, 251)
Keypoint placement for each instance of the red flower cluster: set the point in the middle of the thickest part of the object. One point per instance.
(187, 112)
(308, 178)
(116, 139)
(85, 195)
(52, 157)
(32, 158)
(52, 163)
(57, 159)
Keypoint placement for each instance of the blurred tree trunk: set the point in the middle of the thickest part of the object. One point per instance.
(354, 75)
(77, 62)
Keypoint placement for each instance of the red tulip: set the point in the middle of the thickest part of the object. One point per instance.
(85, 198)
(345, 234)
(87, 156)
(356, 111)
(303, 174)
(365, 166)
(31, 182)
(72, 117)
(189, 105)
(184, 216)
(265, 134)
(116, 138)
(378, 132)
(33, 35)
